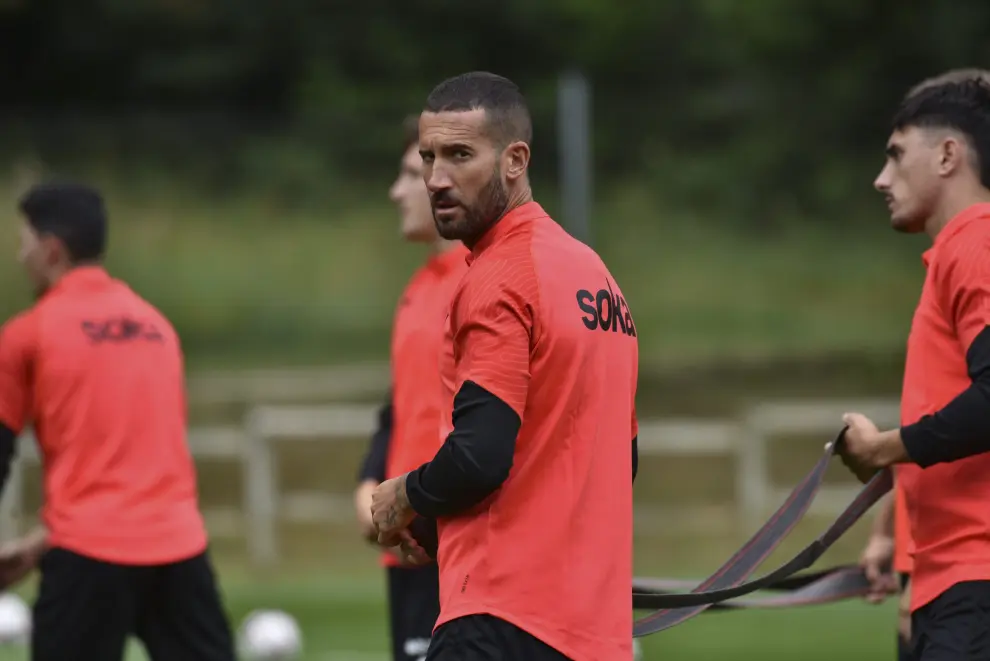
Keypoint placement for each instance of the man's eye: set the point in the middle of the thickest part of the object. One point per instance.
(462, 154)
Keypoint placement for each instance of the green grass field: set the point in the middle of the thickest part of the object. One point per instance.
(342, 617)
(329, 580)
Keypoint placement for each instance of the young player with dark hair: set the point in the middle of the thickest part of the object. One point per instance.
(98, 373)
(887, 558)
(936, 180)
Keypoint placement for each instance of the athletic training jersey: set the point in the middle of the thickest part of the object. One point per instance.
(948, 503)
(98, 372)
(417, 337)
(540, 323)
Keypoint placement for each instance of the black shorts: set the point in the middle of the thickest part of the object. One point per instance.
(414, 606)
(487, 638)
(86, 609)
(955, 626)
(903, 646)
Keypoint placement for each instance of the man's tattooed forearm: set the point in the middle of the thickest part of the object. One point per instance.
(398, 510)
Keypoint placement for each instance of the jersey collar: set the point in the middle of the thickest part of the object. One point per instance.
(82, 277)
(518, 217)
(449, 259)
(956, 224)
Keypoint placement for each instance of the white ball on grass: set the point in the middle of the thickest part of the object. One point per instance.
(15, 620)
(269, 635)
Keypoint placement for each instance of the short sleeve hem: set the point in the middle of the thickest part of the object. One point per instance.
(15, 342)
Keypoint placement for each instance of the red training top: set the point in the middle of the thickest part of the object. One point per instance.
(948, 504)
(539, 322)
(417, 337)
(98, 372)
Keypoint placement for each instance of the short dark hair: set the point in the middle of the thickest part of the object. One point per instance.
(961, 105)
(410, 131)
(951, 76)
(72, 212)
(500, 98)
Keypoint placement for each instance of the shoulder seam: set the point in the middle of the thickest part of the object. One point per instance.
(538, 306)
(24, 327)
(26, 316)
(963, 246)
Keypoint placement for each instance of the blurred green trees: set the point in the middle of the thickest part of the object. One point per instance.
(779, 106)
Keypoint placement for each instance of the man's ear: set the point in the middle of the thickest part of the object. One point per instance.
(952, 153)
(53, 249)
(515, 160)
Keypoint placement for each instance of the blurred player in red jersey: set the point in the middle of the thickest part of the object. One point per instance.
(408, 432)
(936, 180)
(532, 487)
(886, 560)
(98, 373)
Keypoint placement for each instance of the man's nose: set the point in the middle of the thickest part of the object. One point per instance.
(882, 182)
(438, 180)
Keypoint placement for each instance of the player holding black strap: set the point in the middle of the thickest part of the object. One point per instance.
(890, 546)
(936, 180)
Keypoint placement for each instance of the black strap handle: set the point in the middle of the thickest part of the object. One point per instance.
(806, 589)
(729, 582)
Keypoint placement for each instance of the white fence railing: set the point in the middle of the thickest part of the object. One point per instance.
(277, 386)
(253, 446)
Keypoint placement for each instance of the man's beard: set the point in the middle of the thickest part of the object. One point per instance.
(491, 205)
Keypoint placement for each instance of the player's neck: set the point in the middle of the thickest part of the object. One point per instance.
(520, 197)
(61, 270)
(56, 273)
(441, 245)
(517, 198)
(952, 206)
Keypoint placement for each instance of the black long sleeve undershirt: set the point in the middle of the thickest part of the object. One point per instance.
(635, 456)
(962, 428)
(373, 465)
(8, 447)
(475, 459)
